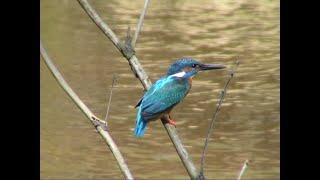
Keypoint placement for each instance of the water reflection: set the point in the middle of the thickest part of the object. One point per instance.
(211, 31)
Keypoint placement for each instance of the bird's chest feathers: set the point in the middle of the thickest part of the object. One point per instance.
(190, 81)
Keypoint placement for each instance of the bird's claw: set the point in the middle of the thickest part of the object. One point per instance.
(170, 121)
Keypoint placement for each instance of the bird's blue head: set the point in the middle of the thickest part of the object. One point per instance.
(189, 64)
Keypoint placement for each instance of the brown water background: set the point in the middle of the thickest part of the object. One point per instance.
(248, 125)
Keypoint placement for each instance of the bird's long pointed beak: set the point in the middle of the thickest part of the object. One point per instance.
(204, 67)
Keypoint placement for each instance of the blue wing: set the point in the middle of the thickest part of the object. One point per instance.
(163, 95)
(152, 88)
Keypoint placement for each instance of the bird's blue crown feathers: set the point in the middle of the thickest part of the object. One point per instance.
(178, 65)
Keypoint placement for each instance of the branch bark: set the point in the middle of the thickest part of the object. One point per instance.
(100, 125)
(145, 81)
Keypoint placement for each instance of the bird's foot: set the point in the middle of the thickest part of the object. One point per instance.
(172, 122)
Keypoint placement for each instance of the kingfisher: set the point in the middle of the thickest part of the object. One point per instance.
(168, 91)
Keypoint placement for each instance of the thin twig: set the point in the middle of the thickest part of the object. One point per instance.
(140, 23)
(114, 80)
(210, 130)
(243, 169)
(145, 81)
(98, 124)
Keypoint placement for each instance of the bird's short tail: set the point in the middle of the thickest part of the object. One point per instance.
(141, 125)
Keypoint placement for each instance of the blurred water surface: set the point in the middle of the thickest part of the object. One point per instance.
(247, 127)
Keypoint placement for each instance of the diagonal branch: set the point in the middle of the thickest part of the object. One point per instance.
(145, 81)
(100, 125)
(210, 130)
(140, 23)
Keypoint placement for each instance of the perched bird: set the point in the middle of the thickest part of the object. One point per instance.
(168, 91)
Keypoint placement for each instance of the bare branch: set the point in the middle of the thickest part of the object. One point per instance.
(243, 169)
(145, 81)
(98, 124)
(133, 61)
(140, 23)
(210, 130)
(99, 22)
(114, 80)
(182, 152)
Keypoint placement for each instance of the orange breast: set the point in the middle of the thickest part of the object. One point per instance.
(190, 81)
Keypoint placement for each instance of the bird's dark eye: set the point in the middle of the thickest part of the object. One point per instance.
(194, 65)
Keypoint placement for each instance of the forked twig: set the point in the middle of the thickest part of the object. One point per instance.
(210, 130)
(243, 169)
(140, 23)
(98, 124)
(114, 80)
(133, 60)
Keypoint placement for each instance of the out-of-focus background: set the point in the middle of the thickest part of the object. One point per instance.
(248, 125)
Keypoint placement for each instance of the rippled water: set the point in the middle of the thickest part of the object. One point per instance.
(247, 127)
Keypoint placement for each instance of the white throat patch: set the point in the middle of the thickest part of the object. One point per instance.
(180, 74)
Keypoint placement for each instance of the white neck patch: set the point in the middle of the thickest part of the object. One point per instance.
(180, 74)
